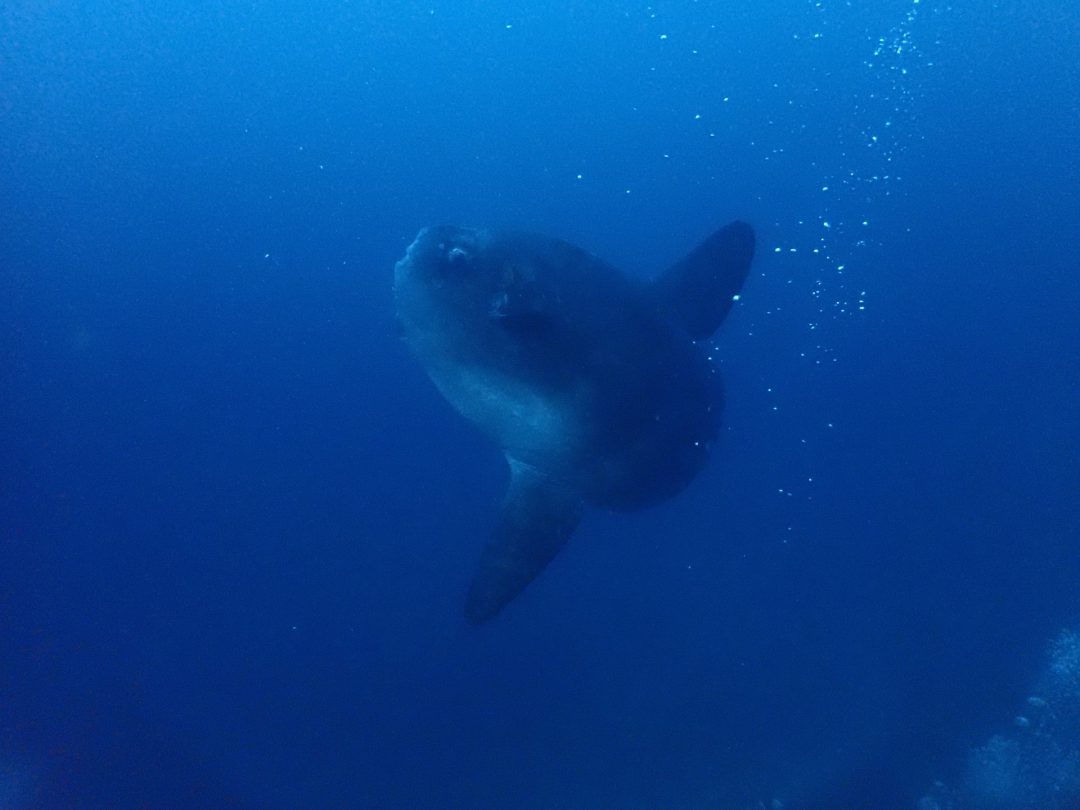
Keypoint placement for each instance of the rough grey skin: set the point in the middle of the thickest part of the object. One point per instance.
(591, 383)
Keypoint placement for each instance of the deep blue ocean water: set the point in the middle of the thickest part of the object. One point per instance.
(237, 521)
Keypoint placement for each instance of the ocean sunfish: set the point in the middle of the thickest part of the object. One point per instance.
(593, 383)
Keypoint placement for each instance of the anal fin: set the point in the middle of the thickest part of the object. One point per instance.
(538, 516)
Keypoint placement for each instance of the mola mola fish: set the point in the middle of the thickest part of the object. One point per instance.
(591, 382)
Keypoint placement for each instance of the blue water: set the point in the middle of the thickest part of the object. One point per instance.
(237, 522)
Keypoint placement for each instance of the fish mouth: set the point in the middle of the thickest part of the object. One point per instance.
(413, 258)
(439, 251)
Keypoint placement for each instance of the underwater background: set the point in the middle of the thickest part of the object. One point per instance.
(237, 521)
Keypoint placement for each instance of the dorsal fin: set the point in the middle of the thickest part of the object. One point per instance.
(697, 292)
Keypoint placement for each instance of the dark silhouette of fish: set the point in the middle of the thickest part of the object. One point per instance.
(591, 383)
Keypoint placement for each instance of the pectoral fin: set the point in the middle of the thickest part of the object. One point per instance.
(538, 516)
(520, 315)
